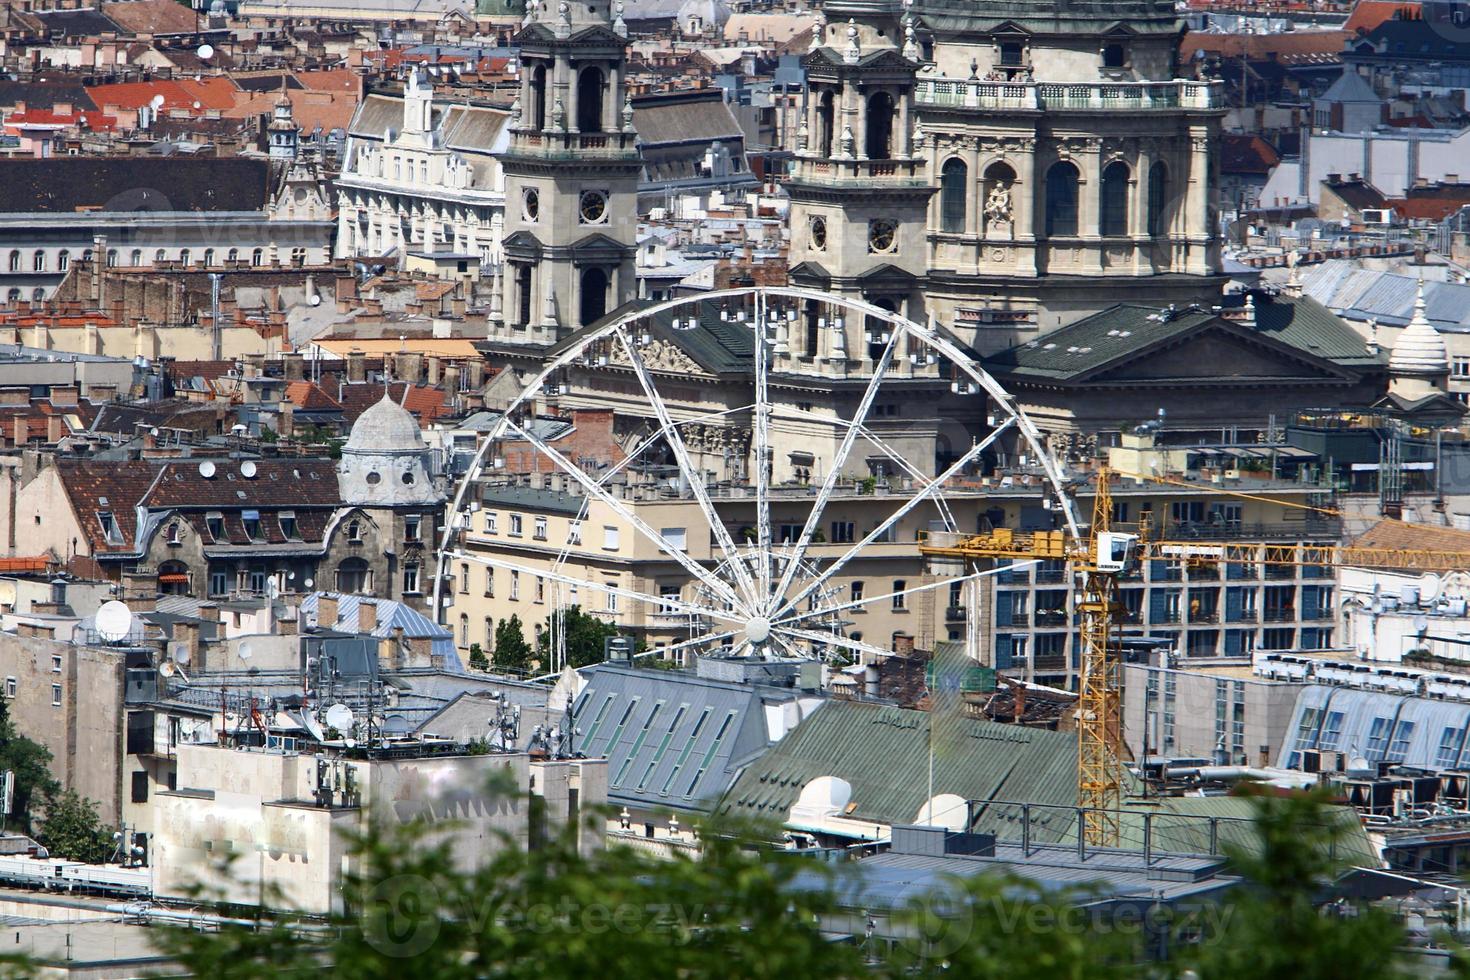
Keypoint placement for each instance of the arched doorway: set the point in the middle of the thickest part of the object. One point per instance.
(594, 295)
(589, 100)
(538, 97)
(825, 116)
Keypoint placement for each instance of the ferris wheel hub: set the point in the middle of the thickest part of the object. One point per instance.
(757, 630)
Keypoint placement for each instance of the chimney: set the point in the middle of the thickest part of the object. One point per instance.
(20, 430)
(356, 366)
(451, 378)
(434, 367)
(187, 633)
(903, 646)
(293, 366)
(367, 616)
(326, 611)
(286, 420)
(420, 652)
(55, 429)
(209, 612)
(477, 375)
(388, 652)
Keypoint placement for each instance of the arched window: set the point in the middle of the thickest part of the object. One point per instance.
(464, 630)
(15, 261)
(38, 294)
(523, 294)
(63, 260)
(880, 126)
(825, 120)
(954, 181)
(173, 578)
(38, 261)
(257, 257)
(13, 296)
(998, 205)
(1158, 198)
(354, 576)
(538, 97)
(1061, 200)
(233, 255)
(111, 257)
(209, 258)
(185, 256)
(594, 295)
(1113, 200)
(160, 256)
(137, 258)
(589, 100)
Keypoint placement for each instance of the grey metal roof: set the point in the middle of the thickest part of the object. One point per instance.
(884, 753)
(1379, 727)
(1123, 331)
(672, 739)
(391, 615)
(533, 499)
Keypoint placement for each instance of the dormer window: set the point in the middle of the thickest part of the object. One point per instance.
(251, 520)
(110, 531)
(354, 530)
(1115, 55)
(1012, 54)
(287, 519)
(175, 533)
(214, 521)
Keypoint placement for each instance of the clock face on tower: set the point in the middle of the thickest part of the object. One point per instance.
(593, 207)
(882, 235)
(531, 204)
(819, 234)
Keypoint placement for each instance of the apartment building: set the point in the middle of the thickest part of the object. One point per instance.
(529, 550)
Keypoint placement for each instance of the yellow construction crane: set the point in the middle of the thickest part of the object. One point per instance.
(1098, 560)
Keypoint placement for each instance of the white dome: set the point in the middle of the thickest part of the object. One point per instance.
(384, 429)
(1419, 349)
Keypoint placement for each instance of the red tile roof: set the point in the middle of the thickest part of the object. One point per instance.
(310, 397)
(1369, 14)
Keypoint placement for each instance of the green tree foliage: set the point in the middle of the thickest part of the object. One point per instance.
(30, 761)
(586, 635)
(478, 660)
(1277, 929)
(555, 912)
(73, 830)
(512, 652)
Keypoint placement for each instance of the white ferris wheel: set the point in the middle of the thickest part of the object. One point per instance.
(751, 592)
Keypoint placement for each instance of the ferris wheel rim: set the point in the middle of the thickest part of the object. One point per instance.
(757, 603)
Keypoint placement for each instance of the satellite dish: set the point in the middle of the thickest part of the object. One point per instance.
(179, 652)
(1429, 587)
(245, 651)
(198, 105)
(247, 469)
(156, 102)
(309, 583)
(206, 51)
(168, 668)
(206, 470)
(114, 621)
(313, 726)
(339, 716)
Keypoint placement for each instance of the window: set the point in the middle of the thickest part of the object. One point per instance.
(540, 593)
(1450, 744)
(515, 585)
(788, 533)
(855, 592)
(899, 585)
(354, 576)
(257, 257)
(1158, 197)
(209, 258)
(574, 532)
(1114, 56)
(55, 663)
(354, 530)
(287, 520)
(160, 256)
(1113, 211)
(677, 538)
(110, 530)
(15, 261)
(63, 260)
(492, 522)
(489, 583)
(489, 643)
(464, 631)
(668, 600)
(410, 578)
(464, 577)
(140, 786)
(517, 525)
(136, 259)
(412, 528)
(111, 258)
(175, 533)
(56, 695)
(10, 687)
(612, 601)
(610, 538)
(257, 580)
(1061, 200)
(842, 532)
(219, 582)
(954, 180)
(1460, 367)
(38, 261)
(185, 256)
(251, 520)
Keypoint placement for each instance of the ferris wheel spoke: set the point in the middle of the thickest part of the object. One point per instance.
(834, 472)
(595, 489)
(789, 634)
(695, 642)
(894, 518)
(762, 432)
(675, 440)
(555, 575)
(799, 617)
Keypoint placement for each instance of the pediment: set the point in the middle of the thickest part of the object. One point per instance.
(1217, 353)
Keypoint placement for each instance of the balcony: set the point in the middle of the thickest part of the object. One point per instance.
(1051, 617)
(862, 171)
(954, 614)
(573, 145)
(1280, 615)
(1113, 97)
